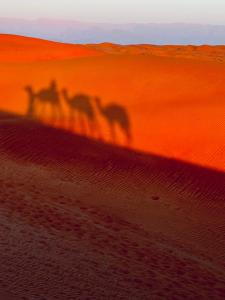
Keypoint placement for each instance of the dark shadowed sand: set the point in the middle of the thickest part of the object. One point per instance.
(80, 219)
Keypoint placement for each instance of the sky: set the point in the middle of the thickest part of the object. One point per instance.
(118, 11)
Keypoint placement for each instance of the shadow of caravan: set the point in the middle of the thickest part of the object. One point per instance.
(80, 112)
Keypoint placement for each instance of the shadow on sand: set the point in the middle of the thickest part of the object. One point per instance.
(44, 144)
(84, 112)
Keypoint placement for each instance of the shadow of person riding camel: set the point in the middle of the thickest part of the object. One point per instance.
(84, 112)
(38, 102)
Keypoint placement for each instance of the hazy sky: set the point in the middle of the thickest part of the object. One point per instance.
(195, 11)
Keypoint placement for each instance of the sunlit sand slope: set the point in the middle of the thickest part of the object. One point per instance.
(84, 220)
(17, 48)
(175, 103)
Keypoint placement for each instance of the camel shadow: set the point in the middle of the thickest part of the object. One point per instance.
(45, 98)
(117, 117)
(82, 115)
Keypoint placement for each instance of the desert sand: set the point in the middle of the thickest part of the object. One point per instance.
(83, 218)
(175, 104)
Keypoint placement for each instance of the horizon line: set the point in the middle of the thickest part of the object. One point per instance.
(110, 43)
(109, 23)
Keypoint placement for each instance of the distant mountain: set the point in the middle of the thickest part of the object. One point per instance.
(82, 33)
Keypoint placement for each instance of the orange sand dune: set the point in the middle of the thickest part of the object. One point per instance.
(176, 104)
(205, 52)
(17, 48)
(84, 220)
